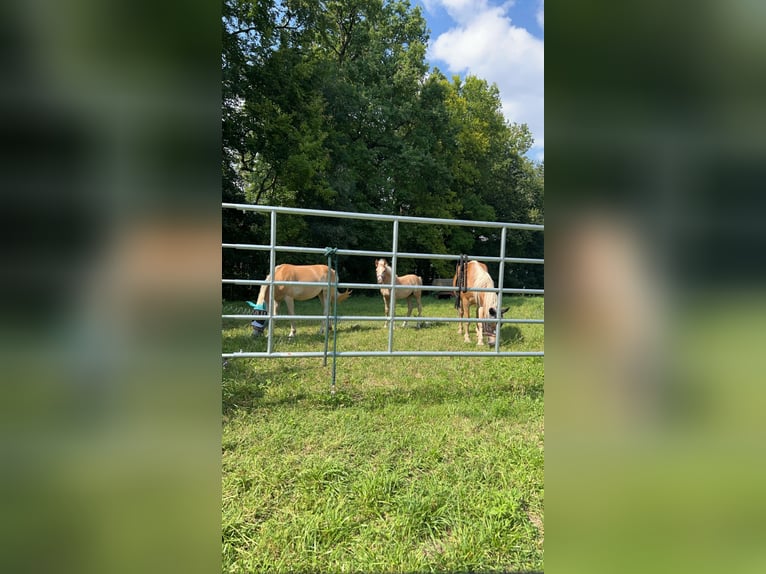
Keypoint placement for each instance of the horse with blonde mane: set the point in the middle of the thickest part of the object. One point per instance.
(291, 293)
(475, 275)
(383, 272)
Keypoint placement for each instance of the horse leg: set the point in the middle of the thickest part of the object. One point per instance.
(385, 313)
(420, 308)
(409, 309)
(325, 298)
(479, 326)
(274, 315)
(291, 311)
(467, 315)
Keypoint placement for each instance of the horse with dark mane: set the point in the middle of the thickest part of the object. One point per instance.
(475, 275)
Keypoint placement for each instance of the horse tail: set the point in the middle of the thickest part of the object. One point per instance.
(343, 296)
(263, 292)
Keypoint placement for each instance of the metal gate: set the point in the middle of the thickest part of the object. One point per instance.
(393, 255)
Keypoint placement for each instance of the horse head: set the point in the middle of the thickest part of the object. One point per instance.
(489, 328)
(258, 324)
(381, 267)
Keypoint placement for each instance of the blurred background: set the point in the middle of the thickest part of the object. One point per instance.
(656, 311)
(110, 401)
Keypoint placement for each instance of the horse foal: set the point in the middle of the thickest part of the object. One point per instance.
(383, 272)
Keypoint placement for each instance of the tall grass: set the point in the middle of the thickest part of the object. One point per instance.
(415, 464)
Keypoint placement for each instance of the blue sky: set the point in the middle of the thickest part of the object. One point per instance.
(499, 41)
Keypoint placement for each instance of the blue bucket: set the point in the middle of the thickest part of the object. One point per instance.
(260, 309)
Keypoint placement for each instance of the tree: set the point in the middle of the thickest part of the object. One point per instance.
(330, 104)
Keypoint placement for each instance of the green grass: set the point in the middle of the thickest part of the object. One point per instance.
(415, 464)
(373, 336)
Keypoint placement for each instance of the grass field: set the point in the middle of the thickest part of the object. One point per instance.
(415, 464)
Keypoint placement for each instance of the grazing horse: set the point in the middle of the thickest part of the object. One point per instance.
(290, 293)
(474, 274)
(383, 271)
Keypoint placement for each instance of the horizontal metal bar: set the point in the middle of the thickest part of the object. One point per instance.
(380, 318)
(384, 254)
(298, 249)
(377, 286)
(273, 249)
(382, 217)
(312, 283)
(302, 354)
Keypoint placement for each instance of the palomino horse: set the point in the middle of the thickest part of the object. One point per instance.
(383, 271)
(473, 274)
(290, 293)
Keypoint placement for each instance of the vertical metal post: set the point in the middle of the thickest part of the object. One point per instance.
(391, 292)
(500, 278)
(327, 305)
(334, 328)
(272, 267)
(332, 264)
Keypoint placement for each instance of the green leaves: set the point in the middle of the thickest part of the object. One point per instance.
(331, 105)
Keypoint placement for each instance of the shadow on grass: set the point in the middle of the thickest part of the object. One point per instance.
(426, 325)
(244, 383)
(428, 394)
(510, 334)
(247, 343)
(243, 342)
(228, 324)
(357, 327)
(250, 395)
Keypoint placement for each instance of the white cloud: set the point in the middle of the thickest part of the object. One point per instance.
(460, 11)
(487, 44)
(463, 11)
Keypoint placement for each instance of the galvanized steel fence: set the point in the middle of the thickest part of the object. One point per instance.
(393, 255)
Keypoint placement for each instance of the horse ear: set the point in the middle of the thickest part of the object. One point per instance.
(504, 311)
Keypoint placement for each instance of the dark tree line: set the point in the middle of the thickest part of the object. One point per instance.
(329, 104)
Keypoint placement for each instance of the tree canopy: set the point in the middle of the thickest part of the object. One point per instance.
(330, 104)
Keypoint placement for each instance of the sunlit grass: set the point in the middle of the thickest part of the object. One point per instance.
(373, 336)
(415, 463)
